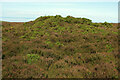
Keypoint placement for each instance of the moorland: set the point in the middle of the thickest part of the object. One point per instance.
(59, 47)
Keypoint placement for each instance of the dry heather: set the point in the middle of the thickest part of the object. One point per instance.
(60, 47)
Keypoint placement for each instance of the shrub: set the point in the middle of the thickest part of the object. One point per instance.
(109, 48)
(32, 58)
(107, 24)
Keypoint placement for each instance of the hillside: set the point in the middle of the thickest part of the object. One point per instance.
(60, 47)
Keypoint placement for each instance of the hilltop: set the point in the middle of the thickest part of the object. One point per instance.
(60, 47)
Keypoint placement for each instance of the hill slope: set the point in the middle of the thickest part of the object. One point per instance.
(57, 47)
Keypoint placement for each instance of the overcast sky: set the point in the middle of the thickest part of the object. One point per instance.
(16, 11)
(59, 0)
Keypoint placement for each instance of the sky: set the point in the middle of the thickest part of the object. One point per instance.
(15, 11)
(59, 0)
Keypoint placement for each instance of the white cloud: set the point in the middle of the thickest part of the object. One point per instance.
(59, 0)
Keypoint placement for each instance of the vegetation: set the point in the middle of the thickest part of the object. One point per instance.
(60, 47)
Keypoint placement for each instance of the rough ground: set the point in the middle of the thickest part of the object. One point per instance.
(57, 47)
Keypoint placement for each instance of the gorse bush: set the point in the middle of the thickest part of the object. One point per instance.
(107, 24)
(32, 58)
(109, 47)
